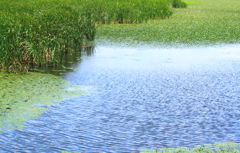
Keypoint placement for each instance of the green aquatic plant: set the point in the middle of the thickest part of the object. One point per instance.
(210, 23)
(126, 11)
(32, 34)
(41, 32)
(179, 4)
(24, 97)
(228, 147)
(193, 2)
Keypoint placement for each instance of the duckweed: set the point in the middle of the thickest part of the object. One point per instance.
(24, 97)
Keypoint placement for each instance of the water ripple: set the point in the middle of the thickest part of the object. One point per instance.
(143, 99)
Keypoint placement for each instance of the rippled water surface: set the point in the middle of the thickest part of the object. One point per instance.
(143, 98)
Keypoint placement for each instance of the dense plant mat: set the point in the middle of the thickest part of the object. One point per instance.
(27, 96)
(128, 11)
(228, 147)
(179, 4)
(204, 22)
(39, 32)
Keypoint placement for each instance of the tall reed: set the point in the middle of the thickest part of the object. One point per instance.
(39, 32)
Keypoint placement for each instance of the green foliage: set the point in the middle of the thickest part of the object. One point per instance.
(193, 2)
(126, 11)
(37, 32)
(40, 32)
(24, 97)
(179, 4)
(210, 23)
(229, 147)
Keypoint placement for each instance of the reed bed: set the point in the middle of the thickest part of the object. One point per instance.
(128, 11)
(202, 23)
(40, 32)
(37, 32)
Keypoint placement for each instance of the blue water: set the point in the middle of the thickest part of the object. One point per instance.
(142, 98)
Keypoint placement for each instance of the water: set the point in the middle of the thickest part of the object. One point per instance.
(143, 98)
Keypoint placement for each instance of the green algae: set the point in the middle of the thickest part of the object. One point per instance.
(24, 97)
(206, 148)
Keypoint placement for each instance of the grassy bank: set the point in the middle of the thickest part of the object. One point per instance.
(39, 32)
(203, 22)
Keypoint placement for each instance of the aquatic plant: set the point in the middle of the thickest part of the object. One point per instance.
(229, 147)
(179, 4)
(202, 23)
(24, 97)
(193, 2)
(127, 11)
(40, 32)
(207, 148)
(33, 34)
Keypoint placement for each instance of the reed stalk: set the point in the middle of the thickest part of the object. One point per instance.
(39, 32)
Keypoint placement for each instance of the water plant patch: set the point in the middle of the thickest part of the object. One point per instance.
(41, 32)
(228, 147)
(207, 24)
(193, 2)
(24, 97)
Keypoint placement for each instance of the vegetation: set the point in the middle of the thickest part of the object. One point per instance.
(228, 147)
(204, 22)
(24, 97)
(179, 4)
(39, 32)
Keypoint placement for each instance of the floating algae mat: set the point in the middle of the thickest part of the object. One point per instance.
(24, 97)
(206, 148)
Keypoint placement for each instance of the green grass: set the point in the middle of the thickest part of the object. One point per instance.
(40, 32)
(179, 4)
(193, 2)
(210, 23)
(127, 11)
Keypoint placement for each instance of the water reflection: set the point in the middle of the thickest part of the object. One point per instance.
(67, 62)
(144, 98)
